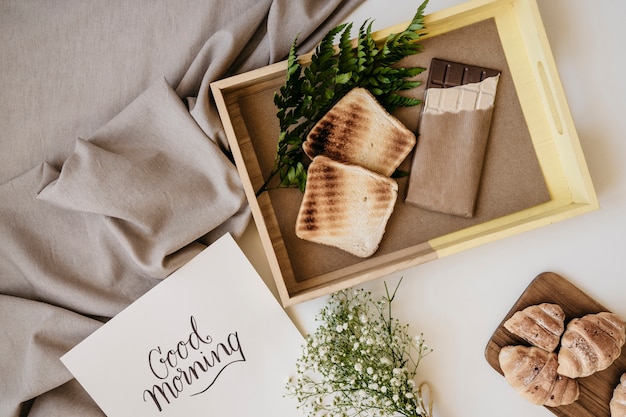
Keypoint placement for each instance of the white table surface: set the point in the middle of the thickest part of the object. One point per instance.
(459, 300)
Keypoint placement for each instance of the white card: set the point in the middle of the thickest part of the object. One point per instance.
(208, 340)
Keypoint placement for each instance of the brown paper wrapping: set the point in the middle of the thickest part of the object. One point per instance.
(448, 161)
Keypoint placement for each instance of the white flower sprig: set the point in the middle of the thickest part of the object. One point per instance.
(360, 361)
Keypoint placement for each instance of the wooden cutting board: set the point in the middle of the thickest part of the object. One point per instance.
(595, 390)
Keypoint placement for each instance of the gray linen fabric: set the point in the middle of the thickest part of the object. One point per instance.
(115, 168)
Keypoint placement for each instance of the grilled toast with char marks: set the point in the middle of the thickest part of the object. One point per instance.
(345, 206)
(358, 130)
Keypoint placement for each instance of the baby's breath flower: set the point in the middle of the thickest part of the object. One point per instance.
(359, 361)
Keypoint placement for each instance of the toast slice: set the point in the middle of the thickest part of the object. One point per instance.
(345, 206)
(358, 130)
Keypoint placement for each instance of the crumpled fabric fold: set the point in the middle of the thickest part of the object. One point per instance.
(116, 170)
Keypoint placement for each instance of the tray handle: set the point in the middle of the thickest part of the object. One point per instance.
(549, 94)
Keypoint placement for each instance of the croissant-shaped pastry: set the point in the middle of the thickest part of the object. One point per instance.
(618, 401)
(565, 391)
(540, 325)
(590, 344)
(531, 371)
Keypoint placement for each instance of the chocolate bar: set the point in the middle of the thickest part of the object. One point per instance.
(472, 96)
(453, 134)
(444, 74)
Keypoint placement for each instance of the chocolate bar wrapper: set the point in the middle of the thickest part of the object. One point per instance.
(453, 133)
(448, 161)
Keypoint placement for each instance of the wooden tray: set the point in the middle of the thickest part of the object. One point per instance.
(595, 390)
(534, 173)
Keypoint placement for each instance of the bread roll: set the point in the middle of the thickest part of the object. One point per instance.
(540, 325)
(360, 131)
(531, 371)
(345, 206)
(564, 392)
(617, 405)
(590, 344)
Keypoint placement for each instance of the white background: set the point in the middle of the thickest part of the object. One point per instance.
(458, 301)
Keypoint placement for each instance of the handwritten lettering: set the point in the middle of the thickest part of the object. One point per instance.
(195, 363)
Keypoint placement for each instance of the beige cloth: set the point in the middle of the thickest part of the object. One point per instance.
(115, 169)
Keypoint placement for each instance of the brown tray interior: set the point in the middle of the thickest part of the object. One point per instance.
(512, 178)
